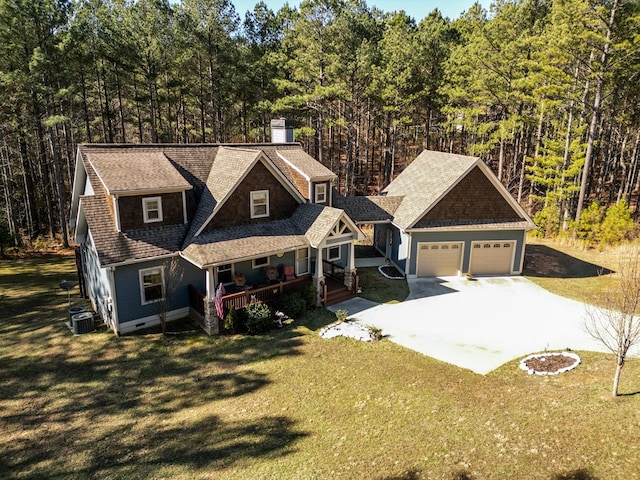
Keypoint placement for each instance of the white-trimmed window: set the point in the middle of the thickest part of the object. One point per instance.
(333, 254)
(320, 192)
(302, 261)
(152, 209)
(260, 262)
(151, 285)
(225, 273)
(260, 203)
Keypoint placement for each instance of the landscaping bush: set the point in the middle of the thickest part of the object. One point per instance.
(341, 315)
(292, 305)
(258, 318)
(310, 296)
(617, 225)
(232, 321)
(549, 221)
(590, 223)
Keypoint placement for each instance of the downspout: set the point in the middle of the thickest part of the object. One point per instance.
(116, 212)
(407, 264)
(114, 300)
(184, 207)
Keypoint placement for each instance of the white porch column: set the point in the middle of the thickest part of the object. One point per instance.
(211, 323)
(210, 284)
(318, 275)
(350, 269)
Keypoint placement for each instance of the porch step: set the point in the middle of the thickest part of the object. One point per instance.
(338, 295)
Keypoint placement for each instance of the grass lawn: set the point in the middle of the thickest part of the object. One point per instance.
(379, 289)
(288, 405)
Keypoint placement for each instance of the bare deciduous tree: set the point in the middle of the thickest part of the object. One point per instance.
(614, 322)
(173, 274)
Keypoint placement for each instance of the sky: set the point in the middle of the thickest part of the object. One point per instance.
(418, 9)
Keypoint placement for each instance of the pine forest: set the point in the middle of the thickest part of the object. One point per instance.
(546, 92)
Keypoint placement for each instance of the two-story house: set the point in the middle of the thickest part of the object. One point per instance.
(257, 219)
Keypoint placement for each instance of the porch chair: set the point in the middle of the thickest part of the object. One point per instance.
(239, 279)
(272, 275)
(289, 272)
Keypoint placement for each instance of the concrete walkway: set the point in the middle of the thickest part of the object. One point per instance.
(478, 324)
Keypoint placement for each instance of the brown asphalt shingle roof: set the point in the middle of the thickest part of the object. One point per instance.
(305, 163)
(424, 181)
(212, 172)
(310, 224)
(136, 171)
(115, 247)
(368, 209)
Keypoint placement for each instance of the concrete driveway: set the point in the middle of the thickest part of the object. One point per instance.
(478, 324)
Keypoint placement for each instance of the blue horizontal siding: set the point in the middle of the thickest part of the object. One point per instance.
(129, 297)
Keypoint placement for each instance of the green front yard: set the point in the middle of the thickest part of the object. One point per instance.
(288, 405)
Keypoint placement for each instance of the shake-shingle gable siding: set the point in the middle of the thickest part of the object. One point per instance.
(237, 209)
(474, 197)
(131, 211)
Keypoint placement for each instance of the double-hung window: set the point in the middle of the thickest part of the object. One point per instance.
(152, 209)
(151, 285)
(333, 254)
(260, 203)
(321, 193)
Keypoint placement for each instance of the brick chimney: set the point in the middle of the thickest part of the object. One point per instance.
(281, 130)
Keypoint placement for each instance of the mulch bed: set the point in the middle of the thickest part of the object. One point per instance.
(550, 363)
(390, 271)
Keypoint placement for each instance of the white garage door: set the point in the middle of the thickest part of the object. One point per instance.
(491, 258)
(439, 259)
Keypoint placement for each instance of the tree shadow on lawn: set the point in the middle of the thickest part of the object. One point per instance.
(544, 261)
(142, 450)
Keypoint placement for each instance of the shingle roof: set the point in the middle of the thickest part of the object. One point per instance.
(115, 247)
(310, 224)
(305, 163)
(133, 171)
(368, 209)
(424, 181)
(476, 224)
(316, 221)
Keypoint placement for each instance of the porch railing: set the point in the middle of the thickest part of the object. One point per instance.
(196, 299)
(333, 270)
(265, 294)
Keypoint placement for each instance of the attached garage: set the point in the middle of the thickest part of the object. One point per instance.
(439, 259)
(492, 258)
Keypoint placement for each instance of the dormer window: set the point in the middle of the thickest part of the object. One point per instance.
(321, 193)
(260, 203)
(152, 209)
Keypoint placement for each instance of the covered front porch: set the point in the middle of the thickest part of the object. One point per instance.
(273, 259)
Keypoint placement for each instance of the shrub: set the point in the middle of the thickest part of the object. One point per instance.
(258, 318)
(342, 315)
(310, 296)
(375, 332)
(617, 225)
(590, 223)
(549, 221)
(233, 321)
(293, 305)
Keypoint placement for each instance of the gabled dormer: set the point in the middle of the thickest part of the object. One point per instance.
(244, 188)
(312, 179)
(143, 188)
